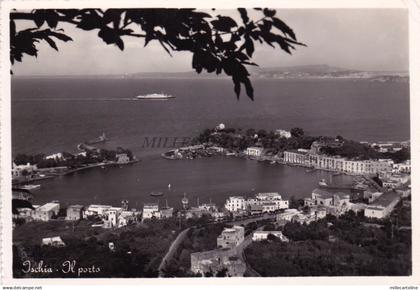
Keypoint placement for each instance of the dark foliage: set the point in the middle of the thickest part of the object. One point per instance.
(217, 43)
(342, 246)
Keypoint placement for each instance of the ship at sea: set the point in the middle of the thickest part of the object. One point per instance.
(154, 96)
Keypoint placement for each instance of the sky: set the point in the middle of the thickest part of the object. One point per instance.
(359, 39)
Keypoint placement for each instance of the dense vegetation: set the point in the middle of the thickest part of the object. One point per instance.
(239, 140)
(70, 160)
(199, 239)
(344, 246)
(352, 149)
(138, 250)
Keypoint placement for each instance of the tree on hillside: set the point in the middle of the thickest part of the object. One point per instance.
(297, 132)
(217, 43)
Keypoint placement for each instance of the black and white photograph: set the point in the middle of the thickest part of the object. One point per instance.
(182, 142)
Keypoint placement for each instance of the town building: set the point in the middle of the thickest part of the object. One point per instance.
(254, 151)
(336, 163)
(287, 215)
(263, 235)
(53, 242)
(151, 210)
(122, 158)
(46, 212)
(404, 167)
(166, 212)
(231, 237)
(96, 210)
(74, 212)
(268, 198)
(22, 170)
(283, 133)
(235, 203)
(383, 206)
(211, 262)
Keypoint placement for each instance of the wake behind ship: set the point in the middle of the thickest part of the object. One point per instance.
(154, 96)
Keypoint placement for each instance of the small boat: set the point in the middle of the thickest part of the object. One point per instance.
(273, 162)
(156, 193)
(169, 186)
(31, 187)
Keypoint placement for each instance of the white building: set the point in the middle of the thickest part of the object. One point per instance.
(231, 237)
(235, 203)
(254, 151)
(272, 197)
(96, 210)
(263, 235)
(17, 170)
(283, 133)
(122, 158)
(53, 241)
(56, 156)
(46, 212)
(151, 210)
(383, 206)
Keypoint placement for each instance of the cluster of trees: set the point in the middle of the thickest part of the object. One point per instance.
(239, 140)
(352, 149)
(138, 251)
(199, 239)
(335, 246)
(70, 160)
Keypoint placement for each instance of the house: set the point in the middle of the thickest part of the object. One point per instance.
(47, 211)
(283, 133)
(112, 215)
(231, 237)
(217, 260)
(95, 210)
(263, 235)
(254, 151)
(74, 212)
(166, 212)
(383, 206)
(53, 241)
(24, 169)
(235, 203)
(122, 158)
(265, 198)
(151, 210)
(196, 212)
(287, 215)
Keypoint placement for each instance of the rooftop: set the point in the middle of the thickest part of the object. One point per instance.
(386, 199)
(48, 206)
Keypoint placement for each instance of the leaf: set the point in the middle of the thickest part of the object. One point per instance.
(52, 18)
(249, 89)
(223, 23)
(108, 35)
(90, 21)
(61, 36)
(39, 17)
(120, 43)
(249, 46)
(279, 24)
(237, 88)
(269, 12)
(51, 43)
(244, 15)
